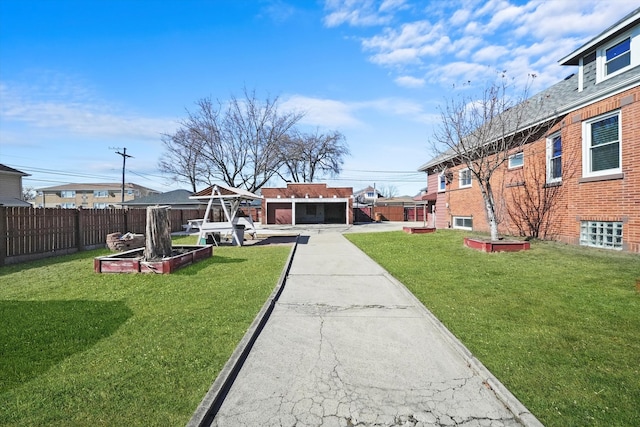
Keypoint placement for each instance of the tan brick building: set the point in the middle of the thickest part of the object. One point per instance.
(588, 158)
(89, 196)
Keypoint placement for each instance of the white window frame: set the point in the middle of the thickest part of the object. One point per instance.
(442, 182)
(586, 146)
(463, 218)
(100, 193)
(68, 194)
(520, 155)
(602, 234)
(463, 176)
(550, 157)
(634, 52)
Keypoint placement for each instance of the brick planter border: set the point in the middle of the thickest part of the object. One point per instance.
(496, 245)
(132, 262)
(418, 230)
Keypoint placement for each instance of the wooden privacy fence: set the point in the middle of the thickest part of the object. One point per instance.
(32, 233)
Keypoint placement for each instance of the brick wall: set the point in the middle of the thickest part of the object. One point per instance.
(614, 199)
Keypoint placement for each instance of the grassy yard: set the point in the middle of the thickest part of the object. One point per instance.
(80, 348)
(558, 325)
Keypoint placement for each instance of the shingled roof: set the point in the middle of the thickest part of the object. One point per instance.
(558, 101)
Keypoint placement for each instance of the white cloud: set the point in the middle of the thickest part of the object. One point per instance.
(460, 17)
(68, 109)
(461, 39)
(391, 5)
(408, 45)
(358, 12)
(489, 53)
(333, 114)
(410, 82)
(459, 73)
(397, 56)
(322, 112)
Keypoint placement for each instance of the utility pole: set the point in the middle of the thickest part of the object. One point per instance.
(124, 162)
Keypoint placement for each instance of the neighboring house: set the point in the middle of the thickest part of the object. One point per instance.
(178, 199)
(367, 196)
(304, 203)
(89, 196)
(11, 187)
(590, 152)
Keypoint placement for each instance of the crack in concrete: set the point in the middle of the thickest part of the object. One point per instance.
(326, 397)
(320, 309)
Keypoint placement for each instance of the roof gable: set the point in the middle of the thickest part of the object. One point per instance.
(6, 169)
(610, 33)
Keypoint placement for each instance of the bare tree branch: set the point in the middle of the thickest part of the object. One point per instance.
(236, 142)
(482, 133)
(307, 157)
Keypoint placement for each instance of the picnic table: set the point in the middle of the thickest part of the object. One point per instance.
(229, 199)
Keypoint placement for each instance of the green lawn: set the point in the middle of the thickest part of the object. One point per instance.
(558, 325)
(80, 348)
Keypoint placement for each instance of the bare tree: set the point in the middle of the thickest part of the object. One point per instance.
(305, 157)
(482, 133)
(388, 191)
(234, 142)
(182, 160)
(533, 199)
(28, 194)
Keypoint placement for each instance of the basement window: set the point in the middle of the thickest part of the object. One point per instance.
(601, 234)
(463, 222)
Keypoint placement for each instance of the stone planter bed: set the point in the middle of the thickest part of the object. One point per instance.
(496, 245)
(133, 261)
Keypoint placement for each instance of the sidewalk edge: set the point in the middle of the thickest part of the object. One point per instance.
(212, 401)
(522, 414)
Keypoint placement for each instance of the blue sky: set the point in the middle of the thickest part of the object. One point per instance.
(81, 79)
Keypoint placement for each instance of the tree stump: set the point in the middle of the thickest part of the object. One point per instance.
(158, 240)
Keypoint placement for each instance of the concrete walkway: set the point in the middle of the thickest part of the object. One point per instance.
(348, 345)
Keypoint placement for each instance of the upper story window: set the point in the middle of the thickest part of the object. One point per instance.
(68, 194)
(618, 55)
(442, 182)
(554, 158)
(464, 178)
(516, 160)
(370, 194)
(601, 146)
(100, 193)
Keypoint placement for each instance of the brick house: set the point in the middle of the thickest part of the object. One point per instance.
(306, 203)
(587, 157)
(89, 196)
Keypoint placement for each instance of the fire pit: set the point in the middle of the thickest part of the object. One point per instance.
(133, 261)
